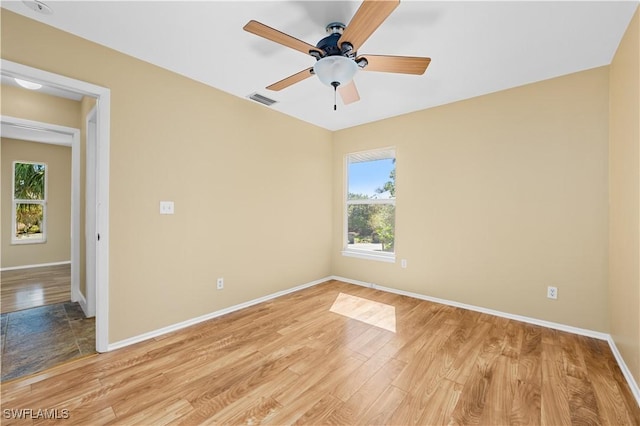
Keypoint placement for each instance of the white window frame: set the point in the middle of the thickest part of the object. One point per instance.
(16, 201)
(373, 154)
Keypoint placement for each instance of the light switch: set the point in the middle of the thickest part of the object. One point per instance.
(166, 207)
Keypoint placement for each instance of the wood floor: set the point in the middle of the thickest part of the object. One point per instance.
(40, 327)
(340, 354)
(33, 287)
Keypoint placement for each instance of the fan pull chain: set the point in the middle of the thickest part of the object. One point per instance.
(335, 85)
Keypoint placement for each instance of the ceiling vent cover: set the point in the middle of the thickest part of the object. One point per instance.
(262, 99)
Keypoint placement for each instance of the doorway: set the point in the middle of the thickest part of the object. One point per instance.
(100, 209)
(42, 322)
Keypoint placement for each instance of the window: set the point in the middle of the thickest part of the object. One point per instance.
(29, 202)
(371, 205)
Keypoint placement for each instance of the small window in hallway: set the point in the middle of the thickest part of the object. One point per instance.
(29, 202)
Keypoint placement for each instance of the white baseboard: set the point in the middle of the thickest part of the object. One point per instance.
(39, 265)
(562, 327)
(535, 321)
(193, 321)
(625, 370)
(553, 325)
(82, 301)
(75, 294)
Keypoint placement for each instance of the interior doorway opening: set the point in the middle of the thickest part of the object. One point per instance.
(99, 208)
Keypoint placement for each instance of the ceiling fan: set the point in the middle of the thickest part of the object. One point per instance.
(337, 59)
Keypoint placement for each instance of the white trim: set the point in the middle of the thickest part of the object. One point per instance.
(218, 313)
(39, 135)
(102, 258)
(372, 154)
(103, 103)
(82, 301)
(76, 173)
(625, 370)
(529, 320)
(364, 201)
(548, 324)
(354, 282)
(39, 265)
(363, 156)
(554, 325)
(535, 321)
(369, 255)
(14, 69)
(15, 201)
(90, 210)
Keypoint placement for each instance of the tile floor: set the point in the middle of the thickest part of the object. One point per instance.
(40, 338)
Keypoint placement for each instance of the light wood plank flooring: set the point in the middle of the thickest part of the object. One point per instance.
(341, 354)
(33, 287)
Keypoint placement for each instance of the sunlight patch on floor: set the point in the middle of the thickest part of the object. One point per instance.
(373, 313)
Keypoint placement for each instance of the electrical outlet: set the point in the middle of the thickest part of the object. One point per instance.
(220, 283)
(166, 207)
(552, 292)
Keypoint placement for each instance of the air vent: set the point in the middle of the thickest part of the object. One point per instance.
(262, 99)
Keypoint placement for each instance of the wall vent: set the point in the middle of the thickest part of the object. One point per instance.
(262, 99)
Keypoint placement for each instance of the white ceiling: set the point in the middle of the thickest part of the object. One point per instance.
(476, 47)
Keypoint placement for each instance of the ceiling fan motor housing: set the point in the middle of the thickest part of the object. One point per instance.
(329, 44)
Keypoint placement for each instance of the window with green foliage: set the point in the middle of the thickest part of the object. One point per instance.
(29, 202)
(371, 204)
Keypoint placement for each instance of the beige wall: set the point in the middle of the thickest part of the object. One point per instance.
(624, 207)
(31, 105)
(251, 186)
(58, 245)
(498, 197)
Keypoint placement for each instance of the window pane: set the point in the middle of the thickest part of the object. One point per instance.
(29, 221)
(29, 181)
(371, 227)
(372, 179)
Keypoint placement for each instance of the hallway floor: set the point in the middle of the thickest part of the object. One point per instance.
(28, 288)
(39, 338)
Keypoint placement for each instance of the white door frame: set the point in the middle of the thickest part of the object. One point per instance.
(103, 110)
(91, 220)
(40, 132)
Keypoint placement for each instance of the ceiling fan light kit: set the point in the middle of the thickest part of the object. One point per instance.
(335, 69)
(336, 54)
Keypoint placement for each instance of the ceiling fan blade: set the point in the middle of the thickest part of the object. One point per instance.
(292, 79)
(279, 37)
(367, 19)
(349, 93)
(398, 64)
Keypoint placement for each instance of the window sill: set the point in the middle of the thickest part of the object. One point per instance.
(28, 241)
(388, 257)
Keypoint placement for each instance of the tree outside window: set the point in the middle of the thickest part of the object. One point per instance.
(370, 212)
(29, 202)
